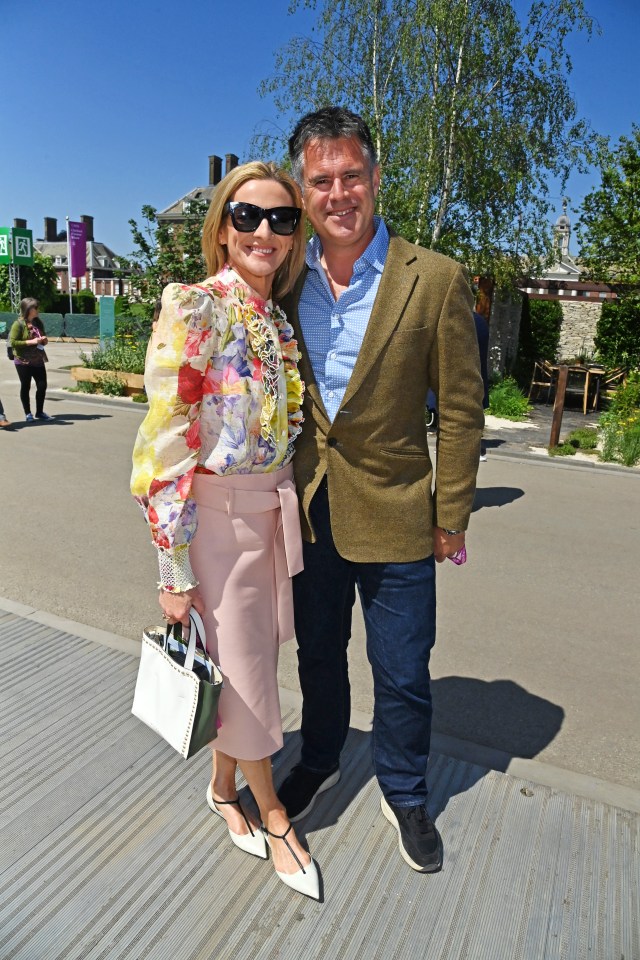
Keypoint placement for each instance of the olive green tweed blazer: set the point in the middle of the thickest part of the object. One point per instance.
(380, 476)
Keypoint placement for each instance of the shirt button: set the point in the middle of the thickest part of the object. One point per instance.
(330, 394)
(333, 355)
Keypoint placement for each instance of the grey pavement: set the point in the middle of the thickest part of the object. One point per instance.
(109, 852)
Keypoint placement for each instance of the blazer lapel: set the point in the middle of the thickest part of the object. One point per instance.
(396, 286)
(306, 370)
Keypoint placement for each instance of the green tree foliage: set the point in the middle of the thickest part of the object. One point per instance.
(165, 253)
(539, 337)
(609, 234)
(609, 225)
(470, 109)
(617, 338)
(38, 281)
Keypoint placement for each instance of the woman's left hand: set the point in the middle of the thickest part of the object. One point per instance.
(176, 606)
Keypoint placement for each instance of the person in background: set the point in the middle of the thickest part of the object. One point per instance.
(28, 340)
(212, 472)
(3, 420)
(482, 333)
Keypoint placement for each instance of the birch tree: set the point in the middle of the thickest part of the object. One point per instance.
(470, 108)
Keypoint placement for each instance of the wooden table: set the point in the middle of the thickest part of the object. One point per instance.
(590, 374)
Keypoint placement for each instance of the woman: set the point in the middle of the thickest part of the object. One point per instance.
(28, 340)
(212, 473)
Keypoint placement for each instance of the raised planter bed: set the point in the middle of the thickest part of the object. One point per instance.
(134, 381)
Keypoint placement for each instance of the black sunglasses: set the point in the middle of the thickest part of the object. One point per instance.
(246, 217)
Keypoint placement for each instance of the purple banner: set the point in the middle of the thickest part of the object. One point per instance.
(78, 247)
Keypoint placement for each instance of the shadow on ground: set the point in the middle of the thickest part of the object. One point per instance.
(495, 496)
(56, 421)
(499, 714)
(496, 713)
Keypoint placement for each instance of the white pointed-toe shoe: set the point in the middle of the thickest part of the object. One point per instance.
(252, 842)
(306, 879)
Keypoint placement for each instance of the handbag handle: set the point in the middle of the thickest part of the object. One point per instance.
(196, 632)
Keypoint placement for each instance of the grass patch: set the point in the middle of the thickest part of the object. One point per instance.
(583, 439)
(140, 398)
(562, 450)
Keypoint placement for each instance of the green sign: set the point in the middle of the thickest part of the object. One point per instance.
(5, 247)
(107, 318)
(22, 246)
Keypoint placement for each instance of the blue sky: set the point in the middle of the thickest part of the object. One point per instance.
(106, 107)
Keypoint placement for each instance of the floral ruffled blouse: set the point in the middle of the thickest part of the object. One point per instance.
(224, 394)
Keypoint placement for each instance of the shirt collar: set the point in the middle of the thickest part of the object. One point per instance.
(374, 256)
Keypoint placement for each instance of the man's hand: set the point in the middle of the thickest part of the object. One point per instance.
(176, 606)
(445, 546)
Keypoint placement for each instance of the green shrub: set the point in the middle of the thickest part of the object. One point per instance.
(617, 336)
(507, 400)
(627, 397)
(86, 386)
(562, 450)
(133, 327)
(112, 385)
(629, 445)
(140, 398)
(584, 439)
(539, 336)
(620, 425)
(125, 357)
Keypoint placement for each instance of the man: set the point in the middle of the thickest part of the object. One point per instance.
(378, 322)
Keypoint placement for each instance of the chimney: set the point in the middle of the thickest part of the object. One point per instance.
(231, 162)
(20, 224)
(215, 170)
(50, 229)
(88, 222)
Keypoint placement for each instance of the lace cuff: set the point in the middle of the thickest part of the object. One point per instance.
(176, 574)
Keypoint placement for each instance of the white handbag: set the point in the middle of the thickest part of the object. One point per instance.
(178, 687)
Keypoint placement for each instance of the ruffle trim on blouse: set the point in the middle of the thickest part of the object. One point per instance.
(255, 312)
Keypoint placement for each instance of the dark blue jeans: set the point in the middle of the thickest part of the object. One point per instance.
(399, 606)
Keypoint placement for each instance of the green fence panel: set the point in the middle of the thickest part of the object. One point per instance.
(82, 325)
(53, 323)
(7, 319)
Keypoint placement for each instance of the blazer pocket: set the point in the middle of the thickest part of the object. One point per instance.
(405, 452)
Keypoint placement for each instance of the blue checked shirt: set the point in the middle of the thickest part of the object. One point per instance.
(333, 330)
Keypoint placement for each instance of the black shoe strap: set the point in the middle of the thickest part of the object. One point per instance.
(283, 836)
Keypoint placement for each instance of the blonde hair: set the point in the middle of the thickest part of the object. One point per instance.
(215, 253)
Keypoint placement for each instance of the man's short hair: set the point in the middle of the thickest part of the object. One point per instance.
(330, 123)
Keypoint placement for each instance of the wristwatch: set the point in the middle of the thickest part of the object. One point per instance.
(452, 533)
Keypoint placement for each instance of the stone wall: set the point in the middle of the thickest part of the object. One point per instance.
(579, 323)
(504, 331)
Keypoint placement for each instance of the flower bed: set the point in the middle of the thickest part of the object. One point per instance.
(132, 383)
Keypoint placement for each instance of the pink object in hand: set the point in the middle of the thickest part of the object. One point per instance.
(460, 556)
